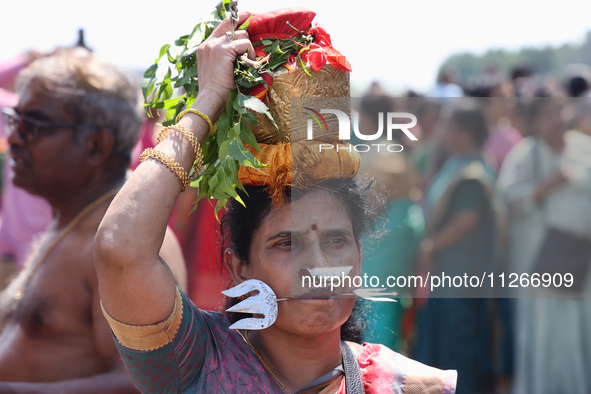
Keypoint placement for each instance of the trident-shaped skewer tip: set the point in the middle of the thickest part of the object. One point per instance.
(263, 303)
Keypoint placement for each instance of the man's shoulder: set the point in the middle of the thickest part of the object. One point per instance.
(77, 247)
(72, 258)
(380, 364)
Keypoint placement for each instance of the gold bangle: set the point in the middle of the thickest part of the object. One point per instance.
(212, 127)
(198, 164)
(172, 165)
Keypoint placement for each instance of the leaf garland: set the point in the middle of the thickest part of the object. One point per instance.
(172, 84)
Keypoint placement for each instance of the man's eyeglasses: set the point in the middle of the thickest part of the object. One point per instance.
(27, 127)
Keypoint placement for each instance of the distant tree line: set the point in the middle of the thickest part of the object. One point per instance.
(547, 60)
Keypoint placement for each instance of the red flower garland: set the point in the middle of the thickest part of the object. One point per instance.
(272, 25)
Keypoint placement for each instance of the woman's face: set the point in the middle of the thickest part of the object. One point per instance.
(549, 122)
(429, 119)
(452, 136)
(314, 231)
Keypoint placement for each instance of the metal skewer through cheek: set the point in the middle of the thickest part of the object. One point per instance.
(325, 272)
(344, 295)
(258, 299)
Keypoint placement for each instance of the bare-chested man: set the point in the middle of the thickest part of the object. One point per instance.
(70, 138)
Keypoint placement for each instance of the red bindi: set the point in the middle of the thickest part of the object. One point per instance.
(314, 227)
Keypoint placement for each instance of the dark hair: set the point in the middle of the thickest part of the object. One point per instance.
(426, 106)
(484, 86)
(362, 197)
(521, 71)
(469, 117)
(533, 110)
(576, 86)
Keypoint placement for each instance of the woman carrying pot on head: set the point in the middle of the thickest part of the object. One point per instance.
(304, 211)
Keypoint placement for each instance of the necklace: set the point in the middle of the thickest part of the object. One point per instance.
(256, 353)
(281, 385)
(18, 294)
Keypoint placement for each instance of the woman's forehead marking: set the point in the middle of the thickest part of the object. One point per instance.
(314, 227)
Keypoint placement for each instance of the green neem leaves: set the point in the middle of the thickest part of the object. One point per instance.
(163, 51)
(172, 83)
(245, 25)
(252, 103)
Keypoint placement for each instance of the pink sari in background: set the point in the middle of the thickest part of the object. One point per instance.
(498, 144)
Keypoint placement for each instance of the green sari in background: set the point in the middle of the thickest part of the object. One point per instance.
(395, 256)
(454, 327)
(395, 253)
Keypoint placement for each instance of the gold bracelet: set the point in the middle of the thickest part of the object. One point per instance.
(212, 127)
(172, 165)
(198, 165)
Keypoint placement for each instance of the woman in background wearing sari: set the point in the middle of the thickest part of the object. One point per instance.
(460, 240)
(545, 182)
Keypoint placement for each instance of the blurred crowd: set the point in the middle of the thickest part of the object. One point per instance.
(500, 171)
(499, 181)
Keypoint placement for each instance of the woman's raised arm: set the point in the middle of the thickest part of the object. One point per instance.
(136, 286)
